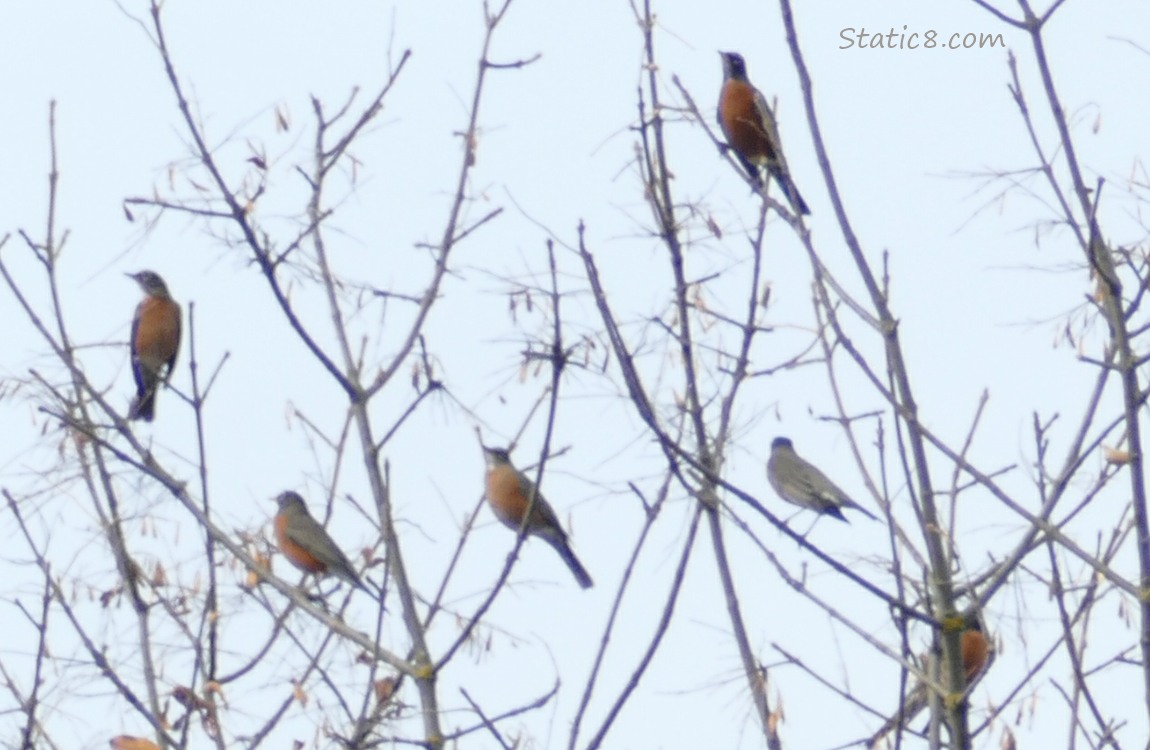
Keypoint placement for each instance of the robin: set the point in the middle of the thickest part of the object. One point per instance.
(798, 482)
(751, 131)
(155, 342)
(307, 545)
(975, 650)
(509, 492)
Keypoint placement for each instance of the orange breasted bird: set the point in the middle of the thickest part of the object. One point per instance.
(751, 130)
(975, 650)
(155, 342)
(800, 483)
(307, 545)
(509, 492)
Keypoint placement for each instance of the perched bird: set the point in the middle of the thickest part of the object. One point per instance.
(306, 544)
(975, 650)
(798, 482)
(509, 492)
(155, 342)
(975, 647)
(751, 131)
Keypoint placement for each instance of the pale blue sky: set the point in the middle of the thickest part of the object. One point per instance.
(907, 133)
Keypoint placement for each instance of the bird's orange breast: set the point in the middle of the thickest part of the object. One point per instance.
(158, 331)
(505, 495)
(975, 651)
(296, 555)
(742, 123)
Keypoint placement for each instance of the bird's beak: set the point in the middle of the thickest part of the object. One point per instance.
(131, 276)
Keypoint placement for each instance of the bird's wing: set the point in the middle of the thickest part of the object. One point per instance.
(816, 483)
(305, 530)
(176, 349)
(137, 369)
(770, 129)
(543, 514)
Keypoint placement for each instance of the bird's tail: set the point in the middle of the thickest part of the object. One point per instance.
(787, 185)
(834, 512)
(353, 578)
(144, 404)
(369, 586)
(564, 549)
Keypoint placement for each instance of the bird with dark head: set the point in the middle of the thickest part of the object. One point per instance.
(750, 128)
(798, 482)
(975, 651)
(154, 342)
(307, 545)
(509, 493)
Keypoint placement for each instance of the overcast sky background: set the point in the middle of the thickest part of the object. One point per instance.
(911, 135)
